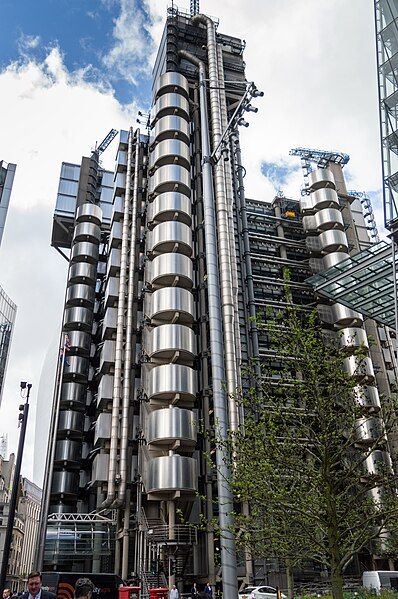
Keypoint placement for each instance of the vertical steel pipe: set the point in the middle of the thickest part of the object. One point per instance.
(227, 300)
(117, 381)
(225, 498)
(129, 349)
(226, 164)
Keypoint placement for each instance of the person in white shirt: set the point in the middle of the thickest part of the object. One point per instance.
(174, 594)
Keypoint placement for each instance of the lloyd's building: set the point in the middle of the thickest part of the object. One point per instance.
(168, 264)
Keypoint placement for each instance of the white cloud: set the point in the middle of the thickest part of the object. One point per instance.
(27, 42)
(130, 52)
(48, 115)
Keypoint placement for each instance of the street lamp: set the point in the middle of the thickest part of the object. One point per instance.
(22, 420)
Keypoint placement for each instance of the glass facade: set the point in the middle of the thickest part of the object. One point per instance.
(7, 172)
(7, 318)
(364, 282)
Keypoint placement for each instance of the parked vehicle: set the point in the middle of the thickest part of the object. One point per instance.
(380, 579)
(260, 592)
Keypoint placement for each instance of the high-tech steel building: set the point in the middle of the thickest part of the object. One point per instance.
(168, 262)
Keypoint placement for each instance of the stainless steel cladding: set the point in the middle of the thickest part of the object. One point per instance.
(321, 177)
(352, 338)
(73, 395)
(80, 343)
(171, 82)
(78, 318)
(171, 104)
(76, 368)
(368, 429)
(171, 342)
(320, 199)
(333, 259)
(170, 178)
(169, 127)
(170, 237)
(368, 398)
(109, 324)
(171, 383)
(85, 252)
(329, 218)
(170, 151)
(167, 270)
(172, 473)
(328, 241)
(70, 423)
(170, 206)
(170, 424)
(377, 462)
(65, 483)
(89, 213)
(80, 295)
(360, 368)
(83, 272)
(87, 231)
(345, 317)
(68, 453)
(171, 304)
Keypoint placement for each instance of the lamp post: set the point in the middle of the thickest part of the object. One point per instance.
(23, 420)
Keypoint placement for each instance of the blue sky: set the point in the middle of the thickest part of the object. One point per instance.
(84, 31)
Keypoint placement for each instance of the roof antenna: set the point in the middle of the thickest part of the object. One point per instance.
(194, 7)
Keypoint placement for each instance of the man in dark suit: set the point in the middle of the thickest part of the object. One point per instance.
(34, 588)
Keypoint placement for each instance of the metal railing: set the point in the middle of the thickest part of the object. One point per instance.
(180, 534)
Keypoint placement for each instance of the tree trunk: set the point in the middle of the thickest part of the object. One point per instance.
(337, 582)
(290, 579)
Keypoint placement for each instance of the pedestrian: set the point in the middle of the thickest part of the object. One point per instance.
(194, 591)
(7, 593)
(208, 590)
(35, 591)
(84, 588)
(174, 594)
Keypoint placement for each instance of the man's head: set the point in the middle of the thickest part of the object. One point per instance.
(83, 588)
(7, 593)
(34, 583)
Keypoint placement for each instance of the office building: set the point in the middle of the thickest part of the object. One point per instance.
(168, 263)
(7, 308)
(26, 524)
(7, 173)
(8, 312)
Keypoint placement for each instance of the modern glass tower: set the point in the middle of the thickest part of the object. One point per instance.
(7, 307)
(8, 312)
(168, 263)
(7, 173)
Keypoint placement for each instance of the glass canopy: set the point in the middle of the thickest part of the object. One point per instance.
(364, 282)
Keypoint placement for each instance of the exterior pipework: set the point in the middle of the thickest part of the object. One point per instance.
(111, 491)
(230, 206)
(227, 542)
(129, 347)
(227, 300)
